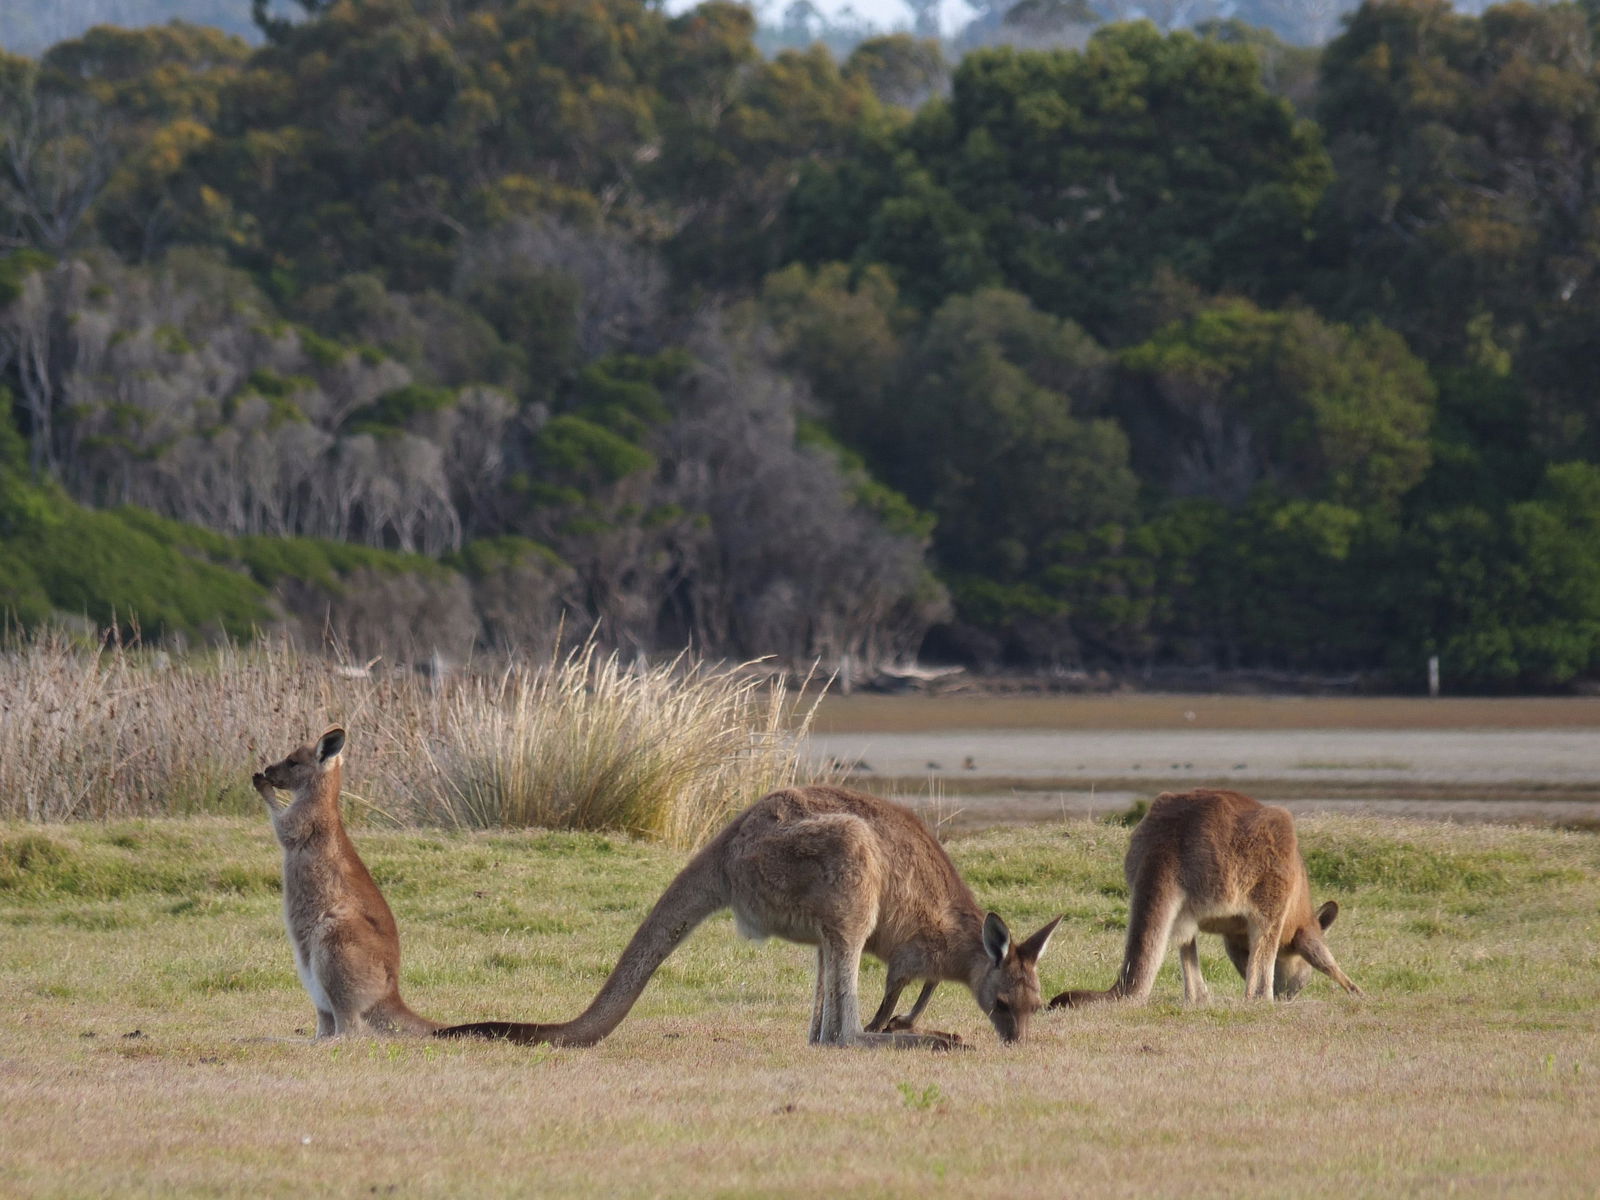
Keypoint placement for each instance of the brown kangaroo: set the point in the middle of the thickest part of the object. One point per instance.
(346, 946)
(844, 872)
(1219, 862)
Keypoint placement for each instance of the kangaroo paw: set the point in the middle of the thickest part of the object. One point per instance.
(1076, 999)
(907, 1041)
(900, 1025)
(928, 1039)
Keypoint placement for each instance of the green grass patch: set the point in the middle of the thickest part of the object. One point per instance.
(1397, 866)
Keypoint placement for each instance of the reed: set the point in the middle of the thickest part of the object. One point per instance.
(665, 751)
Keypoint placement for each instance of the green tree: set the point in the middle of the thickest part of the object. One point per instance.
(1466, 208)
(1059, 174)
(843, 336)
(1236, 398)
(984, 435)
(1511, 598)
(160, 88)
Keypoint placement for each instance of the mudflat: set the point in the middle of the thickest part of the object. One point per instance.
(864, 713)
(1043, 758)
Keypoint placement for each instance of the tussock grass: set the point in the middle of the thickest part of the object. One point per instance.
(668, 752)
(1472, 1067)
(665, 751)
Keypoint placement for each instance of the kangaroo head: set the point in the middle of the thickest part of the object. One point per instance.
(1008, 987)
(305, 766)
(1306, 951)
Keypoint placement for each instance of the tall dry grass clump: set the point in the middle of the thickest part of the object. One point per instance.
(663, 751)
(106, 730)
(667, 752)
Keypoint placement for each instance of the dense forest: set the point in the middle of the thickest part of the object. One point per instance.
(455, 323)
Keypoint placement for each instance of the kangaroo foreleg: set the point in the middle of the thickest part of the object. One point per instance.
(842, 1017)
(908, 1022)
(818, 1002)
(891, 997)
(1194, 983)
(1263, 962)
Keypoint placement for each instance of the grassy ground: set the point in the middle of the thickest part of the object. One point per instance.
(138, 961)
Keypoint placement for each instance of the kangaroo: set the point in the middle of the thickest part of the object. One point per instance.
(1219, 862)
(346, 946)
(844, 872)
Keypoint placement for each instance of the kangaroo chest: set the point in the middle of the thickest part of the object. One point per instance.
(313, 903)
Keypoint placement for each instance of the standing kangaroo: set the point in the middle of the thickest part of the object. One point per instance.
(1219, 862)
(346, 946)
(844, 872)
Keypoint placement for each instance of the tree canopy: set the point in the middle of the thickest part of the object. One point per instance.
(473, 322)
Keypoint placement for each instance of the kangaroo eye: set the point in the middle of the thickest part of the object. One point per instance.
(1000, 1006)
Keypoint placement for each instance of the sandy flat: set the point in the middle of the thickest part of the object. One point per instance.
(980, 777)
(1555, 756)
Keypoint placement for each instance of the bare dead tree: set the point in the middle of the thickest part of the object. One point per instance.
(621, 286)
(56, 154)
(792, 564)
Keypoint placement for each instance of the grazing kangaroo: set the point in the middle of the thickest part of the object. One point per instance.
(1219, 862)
(346, 946)
(844, 872)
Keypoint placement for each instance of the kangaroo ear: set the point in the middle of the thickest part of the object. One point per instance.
(996, 938)
(1032, 949)
(1327, 913)
(330, 744)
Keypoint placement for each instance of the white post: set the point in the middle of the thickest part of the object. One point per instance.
(1433, 676)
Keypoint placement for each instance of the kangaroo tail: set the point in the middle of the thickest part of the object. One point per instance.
(1155, 906)
(700, 889)
(405, 1021)
(509, 1031)
(393, 1014)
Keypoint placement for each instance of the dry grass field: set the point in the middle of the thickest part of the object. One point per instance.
(141, 962)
